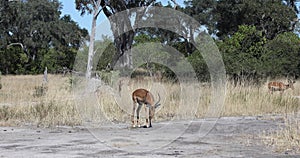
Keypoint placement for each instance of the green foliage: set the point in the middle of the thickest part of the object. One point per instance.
(199, 66)
(40, 31)
(122, 42)
(282, 56)
(143, 38)
(151, 56)
(55, 60)
(242, 52)
(105, 53)
(256, 38)
(203, 11)
(248, 55)
(269, 16)
(12, 60)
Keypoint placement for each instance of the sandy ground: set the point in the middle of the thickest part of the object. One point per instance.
(229, 137)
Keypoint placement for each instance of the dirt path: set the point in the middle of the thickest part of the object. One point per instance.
(230, 137)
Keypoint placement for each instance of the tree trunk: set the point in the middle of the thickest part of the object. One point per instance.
(126, 60)
(124, 54)
(123, 31)
(91, 46)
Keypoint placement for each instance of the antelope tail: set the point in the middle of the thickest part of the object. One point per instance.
(157, 104)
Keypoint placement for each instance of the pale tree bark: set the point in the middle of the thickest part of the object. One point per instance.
(96, 12)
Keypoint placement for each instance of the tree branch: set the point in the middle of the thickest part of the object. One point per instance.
(13, 44)
(105, 10)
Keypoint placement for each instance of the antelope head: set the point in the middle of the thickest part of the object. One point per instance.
(153, 107)
(291, 84)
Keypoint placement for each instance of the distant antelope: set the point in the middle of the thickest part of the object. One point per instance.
(140, 97)
(280, 86)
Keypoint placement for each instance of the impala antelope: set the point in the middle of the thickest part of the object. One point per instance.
(280, 86)
(140, 97)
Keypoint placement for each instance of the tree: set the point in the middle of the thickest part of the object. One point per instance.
(269, 16)
(108, 49)
(37, 27)
(124, 41)
(292, 4)
(203, 12)
(199, 66)
(243, 53)
(282, 56)
(92, 7)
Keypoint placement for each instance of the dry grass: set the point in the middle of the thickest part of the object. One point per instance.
(256, 100)
(286, 139)
(25, 100)
(178, 101)
(188, 101)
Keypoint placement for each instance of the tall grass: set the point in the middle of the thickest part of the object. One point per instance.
(27, 100)
(256, 100)
(193, 101)
(176, 103)
(58, 106)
